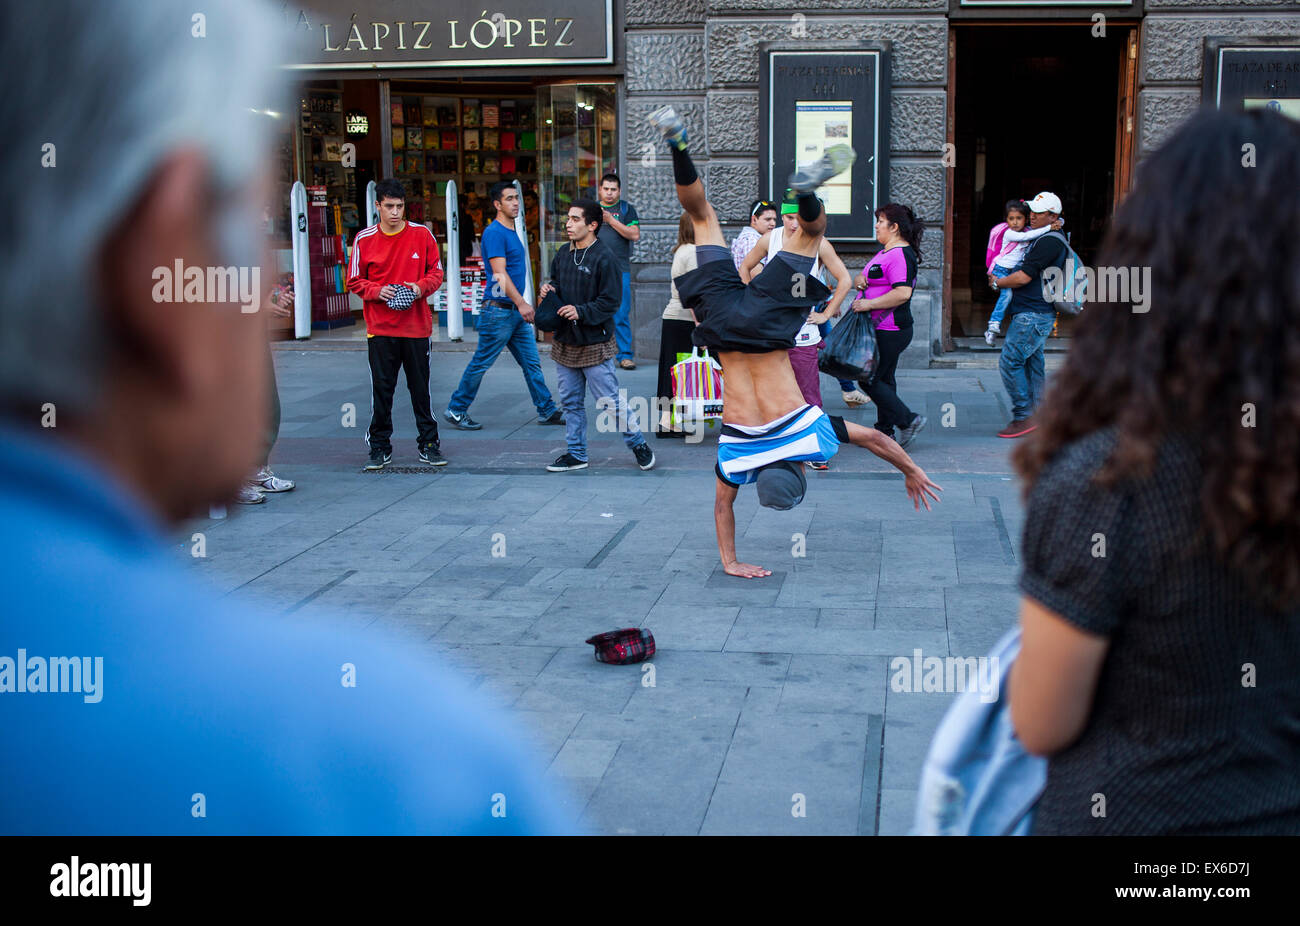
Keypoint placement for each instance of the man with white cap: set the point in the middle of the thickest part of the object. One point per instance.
(1030, 318)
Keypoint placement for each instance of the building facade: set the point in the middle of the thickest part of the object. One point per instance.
(983, 101)
(988, 101)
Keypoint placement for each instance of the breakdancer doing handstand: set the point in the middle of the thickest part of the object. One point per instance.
(768, 429)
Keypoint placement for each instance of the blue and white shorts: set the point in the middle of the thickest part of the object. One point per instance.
(807, 433)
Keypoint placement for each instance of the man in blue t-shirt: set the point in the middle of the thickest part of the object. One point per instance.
(505, 321)
(1030, 318)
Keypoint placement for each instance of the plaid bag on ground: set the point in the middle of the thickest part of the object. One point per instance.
(620, 647)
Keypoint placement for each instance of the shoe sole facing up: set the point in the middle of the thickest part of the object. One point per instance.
(1032, 427)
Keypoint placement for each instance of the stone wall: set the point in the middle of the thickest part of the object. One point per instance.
(1173, 33)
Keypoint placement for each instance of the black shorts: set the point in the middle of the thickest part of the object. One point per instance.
(763, 316)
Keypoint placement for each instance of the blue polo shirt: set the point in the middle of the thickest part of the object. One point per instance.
(499, 241)
(189, 703)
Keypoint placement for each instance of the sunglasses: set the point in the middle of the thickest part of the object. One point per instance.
(761, 207)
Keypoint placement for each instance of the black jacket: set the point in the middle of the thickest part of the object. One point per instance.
(593, 285)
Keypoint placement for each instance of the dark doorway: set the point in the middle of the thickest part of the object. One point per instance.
(1037, 108)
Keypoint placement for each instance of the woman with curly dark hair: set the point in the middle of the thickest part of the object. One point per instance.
(1160, 662)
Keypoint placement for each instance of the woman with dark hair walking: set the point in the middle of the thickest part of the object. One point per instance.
(1160, 661)
(675, 334)
(885, 290)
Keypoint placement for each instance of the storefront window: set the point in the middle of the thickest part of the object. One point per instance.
(577, 144)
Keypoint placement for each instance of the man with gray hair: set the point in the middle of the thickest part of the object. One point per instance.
(136, 152)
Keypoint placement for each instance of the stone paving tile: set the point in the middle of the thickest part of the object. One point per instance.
(775, 757)
(910, 722)
(582, 758)
(897, 810)
(487, 621)
(691, 626)
(627, 806)
(500, 659)
(752, 669)
(788, 630)
(553, 694)
(834, 685)
(545, 731)
(909, 619)
(978, 615)
(692, 698)
(571, 796)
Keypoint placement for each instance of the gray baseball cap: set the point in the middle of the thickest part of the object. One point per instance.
(781, 485)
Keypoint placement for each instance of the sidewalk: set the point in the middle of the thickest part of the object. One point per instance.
(769, 696)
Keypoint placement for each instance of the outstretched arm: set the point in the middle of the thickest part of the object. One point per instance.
(914, 478)
(724, 520)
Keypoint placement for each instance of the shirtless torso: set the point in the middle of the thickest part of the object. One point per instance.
(759, 388)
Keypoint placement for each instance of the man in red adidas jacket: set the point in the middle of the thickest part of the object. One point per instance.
(385, 257)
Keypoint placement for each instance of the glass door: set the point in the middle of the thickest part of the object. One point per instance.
(577, 142)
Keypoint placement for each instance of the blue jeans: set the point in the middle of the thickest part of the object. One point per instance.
(846, 385)
(603, 383)
(623, 320)
(1004, 295)
(500, 328)
(1021, 363)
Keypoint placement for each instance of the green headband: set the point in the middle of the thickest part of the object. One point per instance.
(789, 208)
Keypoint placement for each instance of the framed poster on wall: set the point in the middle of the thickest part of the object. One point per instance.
(813, 99)
(1253, 73)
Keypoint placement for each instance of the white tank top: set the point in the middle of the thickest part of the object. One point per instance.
(774, 243)
(808, 335)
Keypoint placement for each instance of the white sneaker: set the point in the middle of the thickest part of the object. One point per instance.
(249, 494)
(856, 397)
(267, 481)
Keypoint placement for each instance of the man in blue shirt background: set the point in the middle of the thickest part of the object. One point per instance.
(505, 321)
(132, 701)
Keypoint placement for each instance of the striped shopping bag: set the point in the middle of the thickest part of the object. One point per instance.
(697, 387)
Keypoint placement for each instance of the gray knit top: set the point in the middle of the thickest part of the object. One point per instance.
(1195, 727)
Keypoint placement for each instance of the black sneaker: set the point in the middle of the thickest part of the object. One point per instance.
(462, 421)
(379, 458)
(565, 463)
(645, 457)
(556, 418)
(909, 432)
(430, 454)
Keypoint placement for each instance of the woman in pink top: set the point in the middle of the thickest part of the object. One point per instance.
(885, 290)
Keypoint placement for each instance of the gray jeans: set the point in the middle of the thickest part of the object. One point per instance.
(603, 383)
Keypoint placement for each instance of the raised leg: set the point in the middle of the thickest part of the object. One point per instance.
(690, 189)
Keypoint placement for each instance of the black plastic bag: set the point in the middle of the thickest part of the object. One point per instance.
(850, 351)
